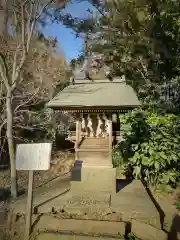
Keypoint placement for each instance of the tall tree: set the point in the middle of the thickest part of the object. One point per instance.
(138, 38)
(3, 17)
(25, 16)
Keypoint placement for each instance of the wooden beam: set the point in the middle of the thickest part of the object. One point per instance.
(110, 138)
(78, 125)
(95, 109)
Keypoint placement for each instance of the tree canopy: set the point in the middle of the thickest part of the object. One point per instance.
(138, 39)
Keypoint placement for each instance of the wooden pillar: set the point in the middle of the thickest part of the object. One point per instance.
(110, 138)
(78, 126)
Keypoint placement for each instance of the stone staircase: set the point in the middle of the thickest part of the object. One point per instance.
(92, 167)
(95, 143)
(94, 151)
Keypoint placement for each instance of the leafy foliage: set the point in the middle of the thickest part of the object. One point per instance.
(151, 146)
(77, 61)
(141, 38)
(178, 205)
(138, 39)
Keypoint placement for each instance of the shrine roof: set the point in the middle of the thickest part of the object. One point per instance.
(97, 94)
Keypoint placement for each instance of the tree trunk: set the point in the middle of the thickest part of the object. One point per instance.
(3, 17)
(11, 144)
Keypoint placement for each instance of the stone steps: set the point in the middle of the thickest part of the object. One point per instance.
(94, 158)
(84, 227)
(91, 141)
(56, 236)
(71, 229)
(92, 150)
(94, 145)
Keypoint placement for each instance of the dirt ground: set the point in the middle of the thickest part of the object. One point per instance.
(61, 163)
(169, 214)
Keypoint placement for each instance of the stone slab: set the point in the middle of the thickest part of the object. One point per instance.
(133, 202)
(147, 232)
(88, 227)
(93, 179)
(52, 236)
(43, 195)
(93, 160)
(88, 200)
(88, 203)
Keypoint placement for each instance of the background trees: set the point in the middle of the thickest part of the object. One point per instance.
(137, 38)
(26, 73)
(140, 39)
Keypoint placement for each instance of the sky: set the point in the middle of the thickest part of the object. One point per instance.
(69, 44)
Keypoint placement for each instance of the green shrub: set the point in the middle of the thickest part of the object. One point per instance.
(178, 205)
(151, 145)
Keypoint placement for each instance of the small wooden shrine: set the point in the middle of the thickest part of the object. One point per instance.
(96, 106)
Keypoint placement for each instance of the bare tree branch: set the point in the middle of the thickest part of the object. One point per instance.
(23, 29)
(2, 147)
(27, 12)
(143, 73)
(19, 138)
(2, 125)
(24, 3)
(2, 98)
(30, 23)
(29, 100)
(2, 72)
(24, 111)
(97, 7)
(43, 8)
(15, 60)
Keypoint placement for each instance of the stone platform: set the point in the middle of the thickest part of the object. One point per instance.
(93, 178)
(93, 165)
(131, 202)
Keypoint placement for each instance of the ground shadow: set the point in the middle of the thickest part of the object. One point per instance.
(62, 143)
(175, 228)
(122, 183)
(5, 194)
(156, 204)
(76, 171)
(4, 167)
(35, 209)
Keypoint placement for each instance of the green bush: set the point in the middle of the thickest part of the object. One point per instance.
(178, 205)
(151, 145)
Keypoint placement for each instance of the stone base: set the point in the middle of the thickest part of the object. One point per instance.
(81, 229)
(93, 178)
(131, 202)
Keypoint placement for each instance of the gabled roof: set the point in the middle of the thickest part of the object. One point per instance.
(98, 94)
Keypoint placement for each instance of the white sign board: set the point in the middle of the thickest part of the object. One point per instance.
(33, 156)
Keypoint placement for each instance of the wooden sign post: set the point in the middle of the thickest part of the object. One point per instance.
(31, 157)
(29, 206)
